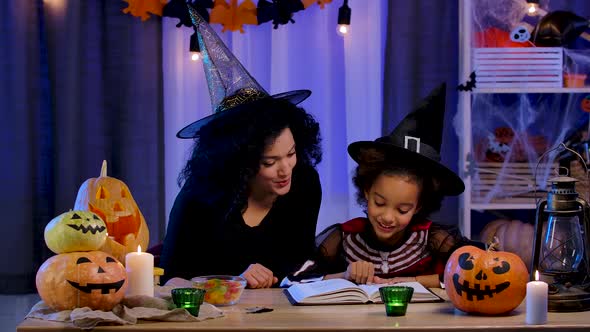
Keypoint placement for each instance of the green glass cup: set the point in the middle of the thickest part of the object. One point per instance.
(396, 299)
(189, 299)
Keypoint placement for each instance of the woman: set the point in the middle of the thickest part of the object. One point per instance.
(250, 199)
(251, 195)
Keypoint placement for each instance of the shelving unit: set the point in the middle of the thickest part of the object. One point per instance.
(470, 202)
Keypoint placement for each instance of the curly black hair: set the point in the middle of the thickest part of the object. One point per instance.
(373, 163)
(227, 151)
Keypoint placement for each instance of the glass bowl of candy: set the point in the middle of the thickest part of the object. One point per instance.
(221, 290)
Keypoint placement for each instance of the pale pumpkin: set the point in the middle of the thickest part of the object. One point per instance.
(111, 199)
(513, 236)
(91, 279)
(75, 231)
(485, 282)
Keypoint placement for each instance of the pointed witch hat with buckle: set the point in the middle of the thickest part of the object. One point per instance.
(416, 141)
(231, 87)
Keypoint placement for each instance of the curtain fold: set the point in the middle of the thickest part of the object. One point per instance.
(421, 52)
(81, 82)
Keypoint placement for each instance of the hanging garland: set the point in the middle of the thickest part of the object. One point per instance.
(230, 14)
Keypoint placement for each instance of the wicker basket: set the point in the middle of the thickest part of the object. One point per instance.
(506, 183)
(518, 67)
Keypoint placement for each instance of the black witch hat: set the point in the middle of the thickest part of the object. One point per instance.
(416, 141)
(231, 87)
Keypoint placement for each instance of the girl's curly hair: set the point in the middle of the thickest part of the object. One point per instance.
(227, 151)
(373, 163)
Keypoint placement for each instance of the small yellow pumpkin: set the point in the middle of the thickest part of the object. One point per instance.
(75, 231)
(111, 199)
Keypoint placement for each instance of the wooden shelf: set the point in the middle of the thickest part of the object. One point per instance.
(532, 90)
(503, 206)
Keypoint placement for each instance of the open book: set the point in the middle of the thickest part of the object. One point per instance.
(342, 291)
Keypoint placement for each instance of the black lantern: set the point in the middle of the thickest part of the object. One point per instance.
(561, 245)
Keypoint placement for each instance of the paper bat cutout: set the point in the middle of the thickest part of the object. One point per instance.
(233, 16)
(143, 8)
(279, 11)
(469, 85)
(178, 9)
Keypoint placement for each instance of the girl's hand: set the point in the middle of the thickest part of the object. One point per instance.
(258, 276)
(360, 272)
(391, 281)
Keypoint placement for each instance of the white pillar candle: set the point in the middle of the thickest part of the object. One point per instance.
(140, 273)
(537, 293)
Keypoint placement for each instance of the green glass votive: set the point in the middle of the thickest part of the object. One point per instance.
(396, 299)
(189, 299)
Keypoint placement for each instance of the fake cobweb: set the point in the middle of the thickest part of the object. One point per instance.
(511, 130)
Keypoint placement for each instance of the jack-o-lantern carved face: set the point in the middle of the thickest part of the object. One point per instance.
(111, 199)
(82, 279)
(485, 282)
(75, 231)
(585, 104)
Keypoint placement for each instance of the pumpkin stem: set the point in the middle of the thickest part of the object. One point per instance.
(493, 245)
(103, 169)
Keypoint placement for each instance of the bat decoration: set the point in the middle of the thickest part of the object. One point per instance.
(279, 11)
(178, 9)
(469, 85)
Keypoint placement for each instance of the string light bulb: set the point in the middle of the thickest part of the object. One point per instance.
(343, 19)
(194, 47)
(533, 6)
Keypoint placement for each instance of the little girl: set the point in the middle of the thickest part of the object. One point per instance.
(400, 182)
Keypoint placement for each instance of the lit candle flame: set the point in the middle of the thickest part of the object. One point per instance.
(138, 248)
(537, 275)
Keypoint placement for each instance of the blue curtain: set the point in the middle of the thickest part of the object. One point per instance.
(80, 82)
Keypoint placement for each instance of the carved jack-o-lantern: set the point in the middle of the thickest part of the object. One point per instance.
(485, 282)
(75, 231)
(111, 199)
(82, 279)
(585, 104)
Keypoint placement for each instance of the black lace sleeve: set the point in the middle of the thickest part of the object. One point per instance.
(328, 257)
(444, 239)
(329, 252)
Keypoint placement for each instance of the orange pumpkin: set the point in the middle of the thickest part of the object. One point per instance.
(513, 236)
(485, 282)
(111, 199)
(81, 279)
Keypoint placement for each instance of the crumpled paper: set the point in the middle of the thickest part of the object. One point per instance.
(129, 311)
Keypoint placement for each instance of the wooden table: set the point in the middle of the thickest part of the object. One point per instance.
(368, 317)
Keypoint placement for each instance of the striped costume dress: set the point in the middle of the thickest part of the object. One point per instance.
(410, 258)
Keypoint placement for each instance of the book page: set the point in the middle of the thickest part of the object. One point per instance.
(324, 289)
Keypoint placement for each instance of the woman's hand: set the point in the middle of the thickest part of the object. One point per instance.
(259, 276)
(360, 272)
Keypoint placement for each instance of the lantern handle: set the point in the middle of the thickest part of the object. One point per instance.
(558, 147)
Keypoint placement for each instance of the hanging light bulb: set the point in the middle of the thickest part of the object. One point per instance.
(344, 19)
(194, 47)
(533, 7)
